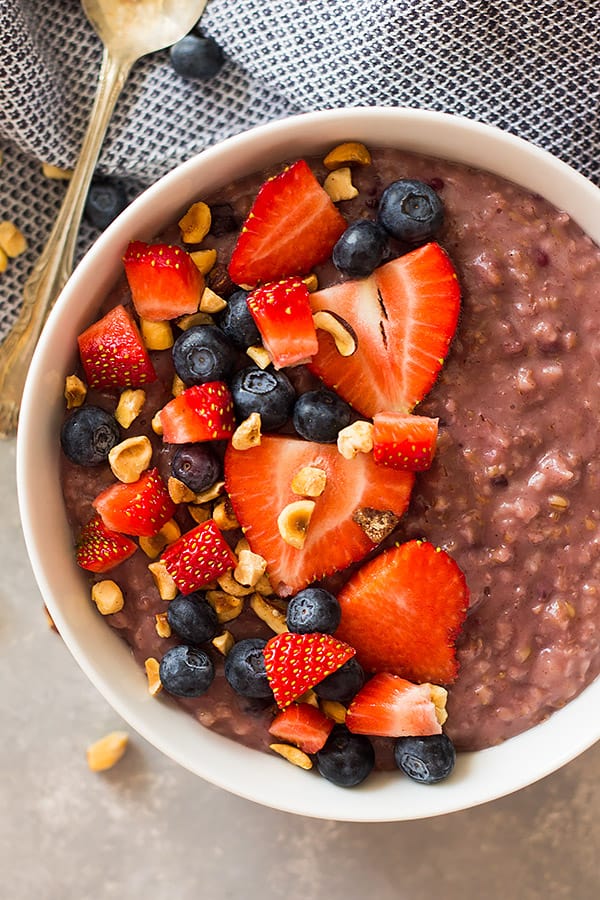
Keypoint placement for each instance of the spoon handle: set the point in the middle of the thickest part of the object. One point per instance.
(55, 263)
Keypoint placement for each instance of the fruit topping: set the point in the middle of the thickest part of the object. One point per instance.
(427, 759)
(163, 280)
(403, 610)
(296, 662)
(346, 759)
(198, 557)
(390, 706)
(113, 354)
(186, 671)
(193, 619)
(320, 415)
(106, 198)
(404, 316)
(282, 313)
(259, 483)
(236, 321)
(88, 435)
(196, 57)
(411, 211)
(197, 466)
(99, 549)
(202, 354)
(291, 227)
(404, 442)
(362, 247)
(245, 669)
(203, 412)
(343, 684)
(303, 725)
(140, 508)
(313, 609)
(264, 391)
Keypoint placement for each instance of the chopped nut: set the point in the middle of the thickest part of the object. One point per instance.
(293, 522)
(211, 302)
(130, 458)
(309, 481)
(193, 319)
(3, 260)
(355, 438)
(49, 619)
(75, 391)
(199, 513)
(12, 240)
(312, 283)
(344, 336)
(153, 546)
(293, 754)
(204, 260)
(156, 335)
(338, 185)
(242, 544)
(224, 516)
(108, 597)
(210, 493)
(152, 674)
(228, 583)
(335, 710)
(130, 406)
(439, 696)
(106, 752)
(196, 223)
(56, 173)
(179, 492)
(250, 568)
(226, 606)
(156, 423)
(376, 523)
(558, 501)
(309, 697)
(223, 642)
(260, 356)
(247, 434)
(347, 153)
(263, 586)
(272, 613)
(178, 386)
(163, 629)
(165, 585)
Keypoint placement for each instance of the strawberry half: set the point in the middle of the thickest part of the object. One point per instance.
(198, 557)
(404, 442)
(282, 313)
(303, 725)
(140, 508)
(390, 706)
(403, 611)
(357, 492)
(113, 354)
(292, 226)
(296, 662)
(203, 412)
(99, 549)
(163, 279)
(404, 316)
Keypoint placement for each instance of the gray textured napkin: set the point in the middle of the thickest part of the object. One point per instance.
(530, 67)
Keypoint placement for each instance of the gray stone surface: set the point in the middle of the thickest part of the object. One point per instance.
(148, 829)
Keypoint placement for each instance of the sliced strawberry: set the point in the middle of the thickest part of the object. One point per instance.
(198, 557)
(303, 725)
(203, 412)
(163, 280)
(113, 354)
(404, 442)
(356, 491)
(291, 227)
(404, 316)
(390, 706)
(403, 611)
(282, 313)
(296, 662)
(139, 508)
(99, 549)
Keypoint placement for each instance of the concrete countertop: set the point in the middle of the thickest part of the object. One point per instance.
(148, 829)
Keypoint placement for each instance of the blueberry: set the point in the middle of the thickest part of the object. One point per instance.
(319, 416)
(410, 211)
(196, 57)
(88, 435)
(343, 684)
(426, 759)
(186, 671)
(236, 322)
(202, 354)
(193, 618)
(245, 668)
(346, 759)
(313, 609)
(264, 391)
(360, 249)
(105, 200)
(196, 465)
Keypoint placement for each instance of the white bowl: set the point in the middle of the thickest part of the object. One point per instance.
(103, 656)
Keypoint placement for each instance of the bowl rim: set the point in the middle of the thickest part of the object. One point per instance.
(382, 797)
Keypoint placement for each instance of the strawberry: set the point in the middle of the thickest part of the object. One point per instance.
(403, 611)
(296, 662)
(390, 706)
(203, 412)
(198, 557)
(163, 280)
(282, 313)
(404, 442)
(291, 227)
(99, 549)
(358, 494)
(404, 316)
(140, 508)
(113, 354)
(303, 725)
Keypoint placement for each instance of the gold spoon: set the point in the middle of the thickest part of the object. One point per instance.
(128, 30)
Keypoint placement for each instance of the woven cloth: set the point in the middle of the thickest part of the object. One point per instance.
(530, 67)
